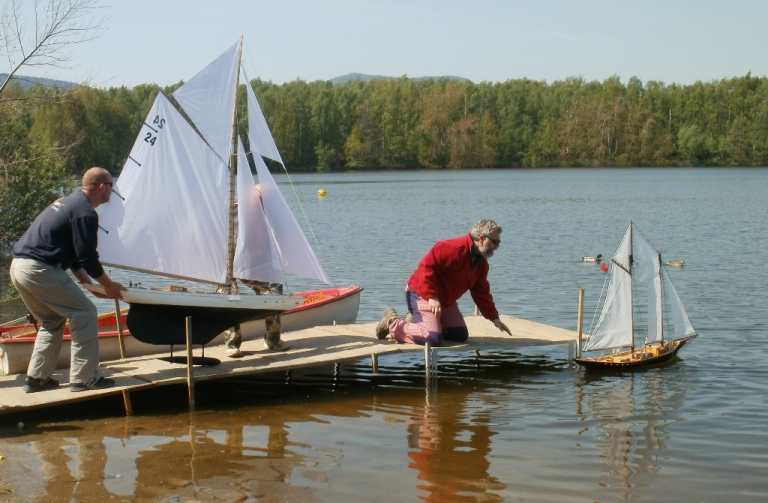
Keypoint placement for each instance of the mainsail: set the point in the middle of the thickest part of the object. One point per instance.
(173, 220)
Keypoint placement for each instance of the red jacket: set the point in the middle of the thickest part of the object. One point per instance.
(446, 272)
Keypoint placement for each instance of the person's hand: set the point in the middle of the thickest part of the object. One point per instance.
(501, 326)
(113, 290)
(435, 307)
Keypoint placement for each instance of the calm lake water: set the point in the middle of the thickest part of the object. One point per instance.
(526, 426)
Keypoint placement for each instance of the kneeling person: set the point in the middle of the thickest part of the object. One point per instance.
(450, 269)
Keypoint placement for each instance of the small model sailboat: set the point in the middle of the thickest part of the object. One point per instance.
(636, 272)
(189, 208)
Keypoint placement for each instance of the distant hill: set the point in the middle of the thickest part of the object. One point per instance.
(366, 78)
(28, 82)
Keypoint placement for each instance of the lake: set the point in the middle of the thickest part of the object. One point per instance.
(507, 426)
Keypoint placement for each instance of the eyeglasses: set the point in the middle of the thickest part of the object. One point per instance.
(496, 242)
(108, 183)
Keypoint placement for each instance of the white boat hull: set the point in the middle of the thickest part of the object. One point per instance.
(15, 353)
(204, 299)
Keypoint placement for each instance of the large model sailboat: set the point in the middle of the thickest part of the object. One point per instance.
(188, 208)
(636, 272)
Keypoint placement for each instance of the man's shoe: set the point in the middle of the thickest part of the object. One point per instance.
(382, 329)
(100, 383)
(233, 353)
(33, 385)
(279, 346)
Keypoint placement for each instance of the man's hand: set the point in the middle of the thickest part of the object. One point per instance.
(435, 307)
(501, 326)
(112, 289)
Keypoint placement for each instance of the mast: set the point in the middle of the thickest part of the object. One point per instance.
(232, 181)
(632, 288)
(663, 300)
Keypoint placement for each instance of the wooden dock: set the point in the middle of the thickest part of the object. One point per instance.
(308, 348)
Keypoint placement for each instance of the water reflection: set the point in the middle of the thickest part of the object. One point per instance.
(631, 411)
(451, 456)
(291, 452)
(228, 464)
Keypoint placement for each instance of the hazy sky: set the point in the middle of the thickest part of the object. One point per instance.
(680, 41)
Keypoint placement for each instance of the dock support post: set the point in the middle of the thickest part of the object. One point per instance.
(126, 394)
(190, 366)
(430, 361)
(375, 363)
(580, 323)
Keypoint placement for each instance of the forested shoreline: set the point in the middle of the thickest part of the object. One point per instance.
(49, 136)
(443, 124)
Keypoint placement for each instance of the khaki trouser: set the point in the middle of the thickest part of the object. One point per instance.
(272, 337)
(53, 298)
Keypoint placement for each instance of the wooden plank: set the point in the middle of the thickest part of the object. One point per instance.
(309, 347)
(13, 398)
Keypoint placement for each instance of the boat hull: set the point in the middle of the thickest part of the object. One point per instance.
(644, 357)
(319, 307)
(205, 300)
(159, 316)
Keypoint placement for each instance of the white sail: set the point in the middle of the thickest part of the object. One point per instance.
(255, 254)
(646, 270)
(296, 254)
(681, 323)
(258, 131)
(209, 99)
(624, 251)
(174, 217)
(614, 328)
(174, 220)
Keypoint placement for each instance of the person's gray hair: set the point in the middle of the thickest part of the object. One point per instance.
(484, 227)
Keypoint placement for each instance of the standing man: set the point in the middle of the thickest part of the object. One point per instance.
(444, 274)
(64, 236)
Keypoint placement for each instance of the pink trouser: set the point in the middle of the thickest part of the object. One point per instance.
(426, 327)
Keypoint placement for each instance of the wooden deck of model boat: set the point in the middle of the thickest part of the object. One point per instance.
(641, 357)
(310, 347)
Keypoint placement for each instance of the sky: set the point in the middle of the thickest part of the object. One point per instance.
(669, 41)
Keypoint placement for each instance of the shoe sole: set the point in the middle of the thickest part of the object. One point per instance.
(35, 390)
(78, 389)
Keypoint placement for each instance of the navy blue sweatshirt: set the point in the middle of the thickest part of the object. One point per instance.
(64, 234)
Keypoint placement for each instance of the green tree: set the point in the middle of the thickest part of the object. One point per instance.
(33, 161)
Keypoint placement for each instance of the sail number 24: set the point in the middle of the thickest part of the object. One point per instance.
(158, 122)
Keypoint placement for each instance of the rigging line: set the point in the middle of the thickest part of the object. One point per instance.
(309, 224)
(597, 308)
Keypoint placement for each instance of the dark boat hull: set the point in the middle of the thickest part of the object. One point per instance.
(166, 325)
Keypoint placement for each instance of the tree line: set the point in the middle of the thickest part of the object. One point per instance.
(47, 135)
(443, 124)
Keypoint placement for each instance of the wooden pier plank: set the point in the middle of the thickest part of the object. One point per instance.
(308, 347)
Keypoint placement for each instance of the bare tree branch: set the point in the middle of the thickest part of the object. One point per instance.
(58, 26)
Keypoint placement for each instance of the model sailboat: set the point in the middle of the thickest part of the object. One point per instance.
(189, 209)
(636, 272)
